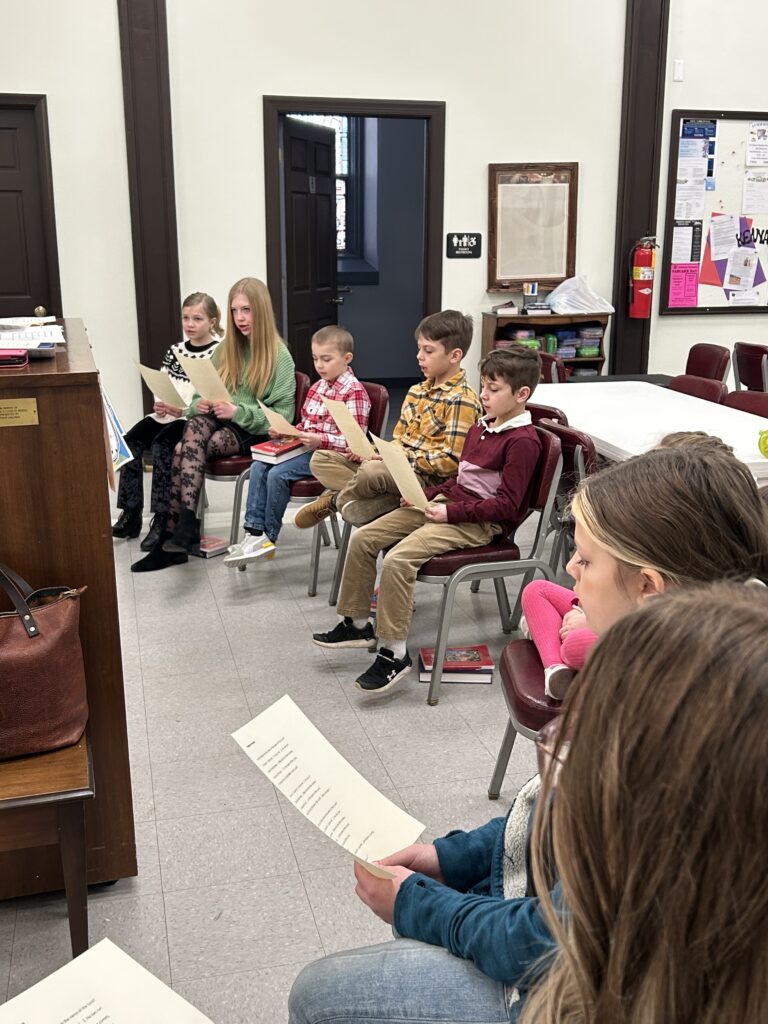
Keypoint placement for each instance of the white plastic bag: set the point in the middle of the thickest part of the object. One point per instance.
(575, 296)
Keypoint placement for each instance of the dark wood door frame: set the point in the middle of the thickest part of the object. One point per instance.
(432, 112)
(39, 107)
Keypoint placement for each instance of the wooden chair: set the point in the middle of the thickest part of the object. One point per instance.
(750, 366)
(496, 561)
(42, 804)
(699, 387)
(755, 402)
(552, 369)
(705, 360)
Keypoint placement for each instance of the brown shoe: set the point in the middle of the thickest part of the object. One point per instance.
(313, 513)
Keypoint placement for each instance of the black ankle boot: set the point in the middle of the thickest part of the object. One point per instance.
(159, 559)
(128, 524)
(187, 533)
(156, 533)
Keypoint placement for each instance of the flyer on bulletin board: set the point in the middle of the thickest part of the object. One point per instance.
(684, 284)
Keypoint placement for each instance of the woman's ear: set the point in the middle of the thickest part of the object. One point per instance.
(650, 583)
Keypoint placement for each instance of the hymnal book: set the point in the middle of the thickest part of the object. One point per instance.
(470, 664)
(278, 450)
(210, 546)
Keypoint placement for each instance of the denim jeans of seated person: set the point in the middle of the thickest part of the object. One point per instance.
(397, 981)
(269, 492)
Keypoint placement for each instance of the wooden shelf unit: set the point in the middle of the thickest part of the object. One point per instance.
(493, 323)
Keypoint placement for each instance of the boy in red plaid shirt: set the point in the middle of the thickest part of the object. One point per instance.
(269, 489)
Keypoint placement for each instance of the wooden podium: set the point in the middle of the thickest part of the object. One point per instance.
(55, 531)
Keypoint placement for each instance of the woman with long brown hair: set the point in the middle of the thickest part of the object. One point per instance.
(658, 831)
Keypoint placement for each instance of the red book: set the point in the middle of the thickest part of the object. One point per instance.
(460, 659)
(279, 450)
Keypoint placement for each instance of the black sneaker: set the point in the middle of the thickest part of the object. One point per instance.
(384, 672)
(346, 634)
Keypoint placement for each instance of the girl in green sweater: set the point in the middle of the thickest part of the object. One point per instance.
(254, 363)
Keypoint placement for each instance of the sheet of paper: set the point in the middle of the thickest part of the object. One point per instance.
(350, 428)
(692, 149)
(682, 240)
(319, 782)
(755, 191)
(757, 144)
(30, 337)
(159, 384)
(740, 269)
(683, 285)
(208, 384)
(25, 321)
(750, 297)
(722, 235)
(690, 193)
(399, 467)
(278, 422)
(101, 986)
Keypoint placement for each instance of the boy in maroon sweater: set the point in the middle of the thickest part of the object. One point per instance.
(489, 497)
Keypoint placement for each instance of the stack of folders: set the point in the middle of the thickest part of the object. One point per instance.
(470, 664)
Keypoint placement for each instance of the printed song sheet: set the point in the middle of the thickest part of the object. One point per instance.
(101, 986)
(202, 373)
(278, 422)
(313, 775)
(159, 384)
(353, 433)
(398, 465)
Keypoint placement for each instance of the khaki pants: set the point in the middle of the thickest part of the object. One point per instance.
(416, 541)
(367, 481)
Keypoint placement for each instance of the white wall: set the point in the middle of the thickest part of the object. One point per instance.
(71, 53)
(518, 87)
(722, 52)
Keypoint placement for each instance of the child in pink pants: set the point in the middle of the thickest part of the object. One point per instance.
(557, 627)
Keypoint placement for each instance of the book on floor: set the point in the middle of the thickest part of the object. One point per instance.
(468, 664)
(279, 450)
(210, 546)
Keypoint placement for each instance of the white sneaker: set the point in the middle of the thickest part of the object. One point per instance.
(557, 678)
(522, 628)
(250, 549)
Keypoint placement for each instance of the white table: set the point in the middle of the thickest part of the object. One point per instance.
(626, 418)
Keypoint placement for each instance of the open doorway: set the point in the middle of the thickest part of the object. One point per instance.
(389, 223)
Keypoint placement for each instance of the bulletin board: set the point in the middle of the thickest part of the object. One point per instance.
(716, 237)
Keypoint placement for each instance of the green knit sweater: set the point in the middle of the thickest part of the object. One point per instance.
(279, 394)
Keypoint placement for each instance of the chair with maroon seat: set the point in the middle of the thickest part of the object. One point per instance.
(750, 366)
(755, 402)
(552, 369)
(238, 467)
(496, 561)
(579, 461)
(699, 387)
(522, 683)
(705, 360)
(546, 412)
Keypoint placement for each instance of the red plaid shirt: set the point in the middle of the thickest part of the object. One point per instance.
(315, 418)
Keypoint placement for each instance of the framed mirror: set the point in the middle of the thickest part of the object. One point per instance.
(531, 224)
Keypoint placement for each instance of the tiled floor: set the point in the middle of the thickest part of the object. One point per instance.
(236, 891)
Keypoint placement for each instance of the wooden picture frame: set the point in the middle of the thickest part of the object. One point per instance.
(531, 224)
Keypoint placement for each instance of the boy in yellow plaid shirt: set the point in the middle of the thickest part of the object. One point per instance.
(433, 425)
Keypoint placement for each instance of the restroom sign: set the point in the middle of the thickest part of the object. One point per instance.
(463, 245)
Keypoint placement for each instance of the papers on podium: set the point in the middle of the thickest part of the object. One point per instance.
(353, 433)
(402, 472)
(159, 384)
(278, 422)
(101, 985)
(208, 384)
(319, 782)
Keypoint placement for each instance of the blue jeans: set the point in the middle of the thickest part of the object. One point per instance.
(397, 982)
(269, 491)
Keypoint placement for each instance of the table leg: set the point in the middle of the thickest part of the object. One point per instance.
(72, 849)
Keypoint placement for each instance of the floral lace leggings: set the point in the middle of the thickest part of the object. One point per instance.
(205, 437)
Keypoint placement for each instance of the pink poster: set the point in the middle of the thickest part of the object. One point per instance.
(684, 284)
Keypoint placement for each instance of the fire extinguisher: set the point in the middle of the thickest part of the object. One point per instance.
(642, 265)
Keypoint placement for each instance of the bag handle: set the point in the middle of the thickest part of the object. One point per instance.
(18, 590)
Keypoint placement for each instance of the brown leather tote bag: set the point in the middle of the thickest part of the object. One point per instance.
(42, 679)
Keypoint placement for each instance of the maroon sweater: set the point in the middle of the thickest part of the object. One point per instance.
(495, 477)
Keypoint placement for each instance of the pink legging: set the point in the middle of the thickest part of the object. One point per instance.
(544, 605)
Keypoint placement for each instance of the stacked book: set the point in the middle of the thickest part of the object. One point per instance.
(470, 664)
(279, 450)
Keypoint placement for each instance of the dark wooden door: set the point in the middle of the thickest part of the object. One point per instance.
(309, 178)
(29, 272)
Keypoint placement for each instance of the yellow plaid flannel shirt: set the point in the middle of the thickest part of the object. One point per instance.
(433, 424)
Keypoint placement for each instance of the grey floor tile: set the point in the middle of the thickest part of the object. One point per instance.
(344, 922)
(222, 848)
(138, 745)
(209, 786)
(143, 792)
(7, 926)
(148, 881)
(193, 737)
(438, 758)
(225, 929)
(249, 997)
(210, 659)
(177, 694)
(41, 944)
(447, 805)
